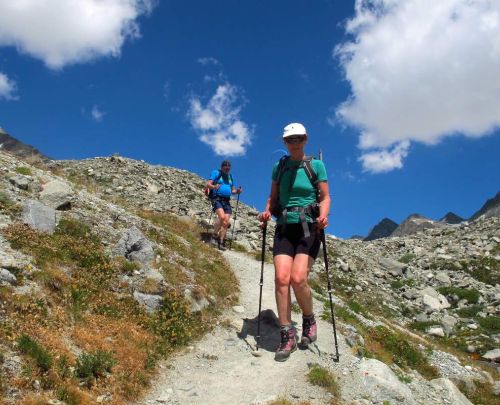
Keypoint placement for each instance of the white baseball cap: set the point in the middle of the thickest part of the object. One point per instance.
(294, 129)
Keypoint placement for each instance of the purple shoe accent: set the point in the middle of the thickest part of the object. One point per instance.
(287, 345)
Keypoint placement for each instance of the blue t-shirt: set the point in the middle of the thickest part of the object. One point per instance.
(225, 182)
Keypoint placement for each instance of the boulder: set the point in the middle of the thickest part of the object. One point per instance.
(38, 216)
(379, 383)
(394, 267)
(492, 355)
(450, 392)
(56, 194)
(134, 246)
(149, 302)
(7, 277)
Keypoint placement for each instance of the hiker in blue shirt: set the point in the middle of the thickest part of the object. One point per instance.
(221, 185)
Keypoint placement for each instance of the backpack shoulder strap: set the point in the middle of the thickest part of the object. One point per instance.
(282, 167)
(218, 177)
(311, 174)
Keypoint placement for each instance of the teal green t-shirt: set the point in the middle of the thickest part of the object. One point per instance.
(302, 193)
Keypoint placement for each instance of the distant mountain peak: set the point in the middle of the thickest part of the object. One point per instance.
(382, 230)
(451, 218)
(413, 224)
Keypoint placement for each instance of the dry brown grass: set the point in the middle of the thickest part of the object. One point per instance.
(83, 307)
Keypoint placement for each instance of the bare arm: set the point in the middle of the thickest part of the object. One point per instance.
(273, 198)
(324, 204)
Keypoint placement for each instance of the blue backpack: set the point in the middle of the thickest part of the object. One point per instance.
(210, 193)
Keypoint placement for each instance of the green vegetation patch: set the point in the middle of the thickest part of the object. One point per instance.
(321, 377)
(470, 294)
(31, 347)
(24, 170)
(90, 366)
(407, 258)
(490, 323)
(470, 311)
(395, 347)
(174, 322)
(486, 269)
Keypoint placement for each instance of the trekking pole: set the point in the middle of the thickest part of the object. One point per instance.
(323, 240)
(234, 221)
(261, 283)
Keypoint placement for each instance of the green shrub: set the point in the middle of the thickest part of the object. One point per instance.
(423, 326)
(63, 367)
(94, 365)
(174, 322)
(36, 351)
(407, 258)
(357, 307)
(471, 295)
(486, 269)
(8, 206)
(470, 311)
(401, 350)
(490, 323)
(321, 377)
(24, 170)
(78, 302)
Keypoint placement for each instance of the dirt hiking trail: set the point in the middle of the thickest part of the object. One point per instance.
(220, 368)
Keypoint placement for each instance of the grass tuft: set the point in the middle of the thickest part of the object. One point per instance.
(36, 351)
(321, 377)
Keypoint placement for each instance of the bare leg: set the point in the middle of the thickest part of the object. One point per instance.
(283, 269)
(219, 222)
(302, 264)
(224, 226)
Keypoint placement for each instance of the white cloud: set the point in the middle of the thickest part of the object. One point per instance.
(385, 160)
(218, 123)
(420, 70)
(97, 114)
(63, 32)
(208, 60)
(8, 88)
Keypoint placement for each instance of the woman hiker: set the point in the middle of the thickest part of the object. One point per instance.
(301, 209)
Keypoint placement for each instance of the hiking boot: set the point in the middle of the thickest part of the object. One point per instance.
(309, 331)
(287, 345)
(221, 245)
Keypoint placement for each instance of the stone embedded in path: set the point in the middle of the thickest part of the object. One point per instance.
(239, 309)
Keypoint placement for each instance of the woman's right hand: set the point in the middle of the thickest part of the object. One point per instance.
(265, 216)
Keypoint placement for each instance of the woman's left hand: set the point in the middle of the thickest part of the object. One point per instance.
(322, 222)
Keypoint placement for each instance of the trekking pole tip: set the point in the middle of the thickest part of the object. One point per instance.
(256, 353)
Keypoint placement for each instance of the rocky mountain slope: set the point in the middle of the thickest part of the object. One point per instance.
(491, 208)
(108, 275)
(20, 149)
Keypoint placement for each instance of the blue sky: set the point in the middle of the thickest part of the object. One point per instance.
(401, 96)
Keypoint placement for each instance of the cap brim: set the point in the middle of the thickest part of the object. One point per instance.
(287, 135)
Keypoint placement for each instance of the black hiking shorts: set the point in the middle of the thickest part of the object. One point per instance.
(289, 240)
(224, 203)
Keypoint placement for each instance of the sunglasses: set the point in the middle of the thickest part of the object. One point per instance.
(227, 166)
(295, 139)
